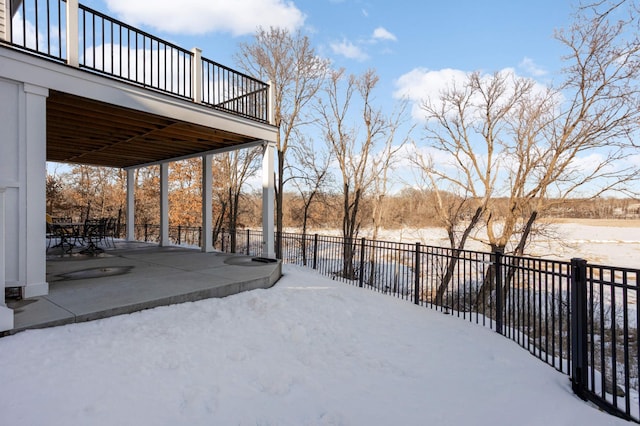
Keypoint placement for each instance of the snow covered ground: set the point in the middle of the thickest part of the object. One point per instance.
(309, 351)
(604, 242)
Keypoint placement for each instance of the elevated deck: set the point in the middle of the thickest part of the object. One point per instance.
(84, 88)
(136, 276)
(120, 97)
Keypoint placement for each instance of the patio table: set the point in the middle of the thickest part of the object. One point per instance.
(68, 234)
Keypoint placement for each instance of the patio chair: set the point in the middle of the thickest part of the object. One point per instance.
(93, 233)
(110, 231)
(65, 235)
(50, 234)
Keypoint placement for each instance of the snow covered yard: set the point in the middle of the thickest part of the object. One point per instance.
(309, 351)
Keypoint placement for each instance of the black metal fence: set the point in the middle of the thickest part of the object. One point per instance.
(114, 49)
(581, 319)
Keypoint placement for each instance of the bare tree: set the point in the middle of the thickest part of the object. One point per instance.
(233, 169)
(352, 147)
(506, 136)
(454, 212)
(185, 192)
(311, 177)
(595, 112)
(296, 74)
(466, 130)
(383, 163)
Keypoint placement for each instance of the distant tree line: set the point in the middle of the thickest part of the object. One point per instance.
(85, 191)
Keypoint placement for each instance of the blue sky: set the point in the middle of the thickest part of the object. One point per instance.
(417, 48)
(394, 38)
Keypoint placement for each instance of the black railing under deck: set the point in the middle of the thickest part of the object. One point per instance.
(101, 44)
(226, 89)
(40, 26)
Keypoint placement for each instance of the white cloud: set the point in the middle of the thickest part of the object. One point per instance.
(381, 33)
(420, 84)
(236, 17)
(349, 50)
(531, 68)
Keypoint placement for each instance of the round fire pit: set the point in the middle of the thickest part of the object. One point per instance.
(244, 261)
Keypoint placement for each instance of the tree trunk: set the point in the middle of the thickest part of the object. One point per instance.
(453, 260)
(519, 251)
(349, 230)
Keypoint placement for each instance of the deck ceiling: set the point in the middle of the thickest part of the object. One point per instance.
(84, 131)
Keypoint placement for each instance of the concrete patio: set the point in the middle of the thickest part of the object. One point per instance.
(134, 276)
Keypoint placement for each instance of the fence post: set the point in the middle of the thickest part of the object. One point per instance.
(361, 278)
(146, 232)
(497, 273)
(416, 272)
(579, 365)
(248, 241)
(315, 251)
(179, 234)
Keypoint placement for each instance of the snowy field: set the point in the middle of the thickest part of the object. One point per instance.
(310, 351)
(604, 242)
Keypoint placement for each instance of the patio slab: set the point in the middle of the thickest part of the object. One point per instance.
(133, 277)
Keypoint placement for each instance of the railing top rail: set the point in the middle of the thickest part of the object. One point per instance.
(247, 76)
(133, 29)
(620, 269)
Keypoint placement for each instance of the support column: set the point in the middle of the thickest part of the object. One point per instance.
(207, 204)
(268, 198)
(131, 205)
(6, 314)
(32, 256)
(164, 204)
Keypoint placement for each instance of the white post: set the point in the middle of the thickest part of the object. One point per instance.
(73, 44)
(164, 204)
(32, 259)
(268, 198)
(2, 249)
(5, 20)
(207, 204)
(131, 206)
(196, 75)
(6, 314)
(272, 102)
